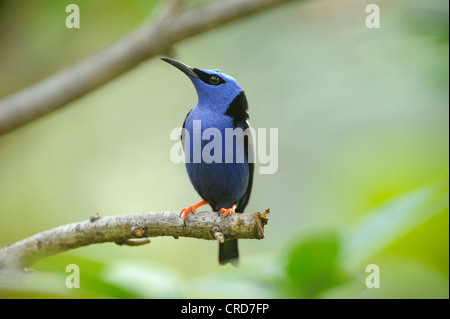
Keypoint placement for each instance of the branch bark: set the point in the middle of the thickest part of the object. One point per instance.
(156, 37)
(132, 230)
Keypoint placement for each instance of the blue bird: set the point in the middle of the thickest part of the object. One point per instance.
(223, 184)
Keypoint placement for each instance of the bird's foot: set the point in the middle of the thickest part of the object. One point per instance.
(185, 211)
(226, 211)
(191, 209)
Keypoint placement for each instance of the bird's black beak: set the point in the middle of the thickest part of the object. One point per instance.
(182, 67)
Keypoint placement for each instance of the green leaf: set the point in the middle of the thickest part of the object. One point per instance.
(312, 266)
(391, 221)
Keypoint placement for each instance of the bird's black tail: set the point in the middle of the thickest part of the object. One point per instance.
(228, 252)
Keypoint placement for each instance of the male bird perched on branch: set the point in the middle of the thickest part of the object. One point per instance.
(219, 175)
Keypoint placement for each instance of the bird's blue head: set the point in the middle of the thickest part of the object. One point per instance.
(215, 89)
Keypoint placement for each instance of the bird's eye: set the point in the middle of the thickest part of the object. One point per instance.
(214, 79)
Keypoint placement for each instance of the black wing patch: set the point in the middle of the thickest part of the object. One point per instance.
(248, 148)
(238, 109)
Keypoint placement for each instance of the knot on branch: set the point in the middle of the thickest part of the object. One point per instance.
(138, 231)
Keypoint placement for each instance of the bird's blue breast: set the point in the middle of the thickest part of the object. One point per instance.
(220, 183)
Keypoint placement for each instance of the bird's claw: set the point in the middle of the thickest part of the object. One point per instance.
(226, 211)
(191, 209)
(185, 211)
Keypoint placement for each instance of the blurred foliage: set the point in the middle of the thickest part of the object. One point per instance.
(363, 152)
(312, 267)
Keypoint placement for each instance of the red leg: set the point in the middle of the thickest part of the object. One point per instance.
(192, 208)
(226, 211)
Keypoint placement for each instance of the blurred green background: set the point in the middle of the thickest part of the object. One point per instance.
(363, 151)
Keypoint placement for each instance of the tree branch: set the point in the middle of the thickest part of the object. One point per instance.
(157, 37)
(132, 230)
